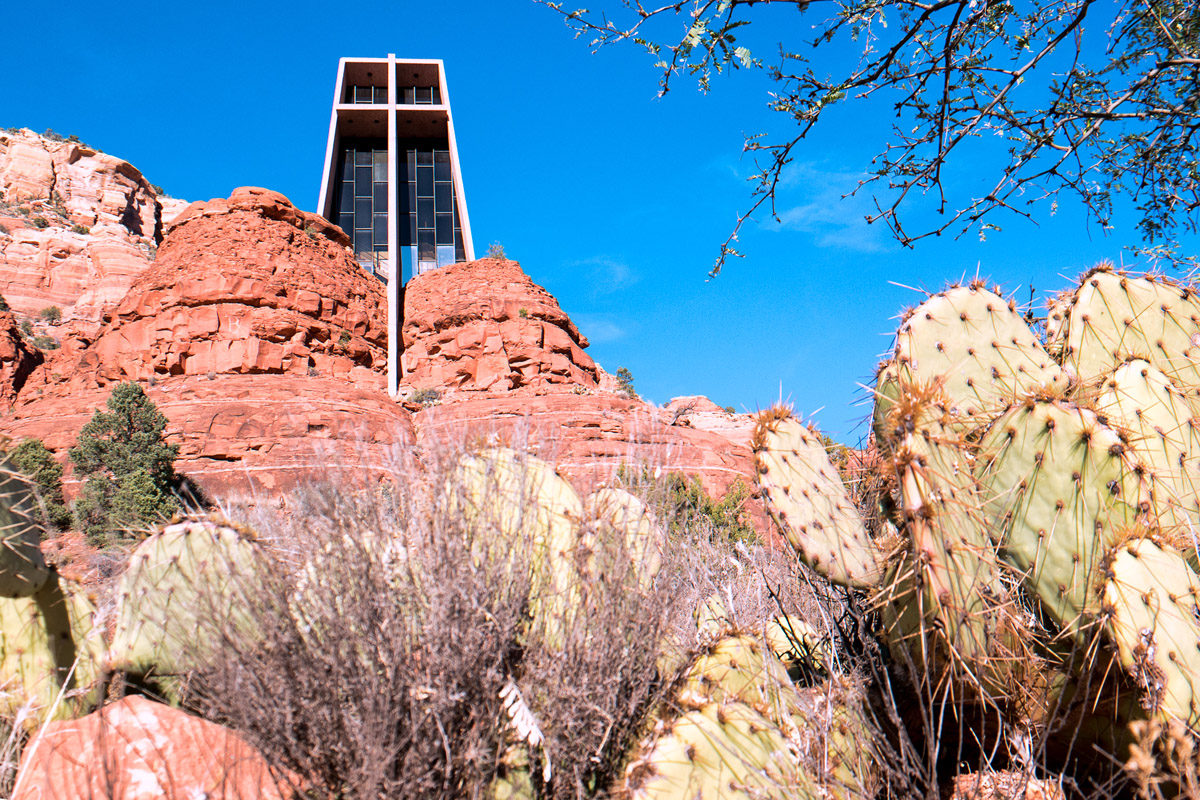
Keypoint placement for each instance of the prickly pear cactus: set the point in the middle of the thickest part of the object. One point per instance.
(944, 598)
(1164, 436)
(1152, 612)
(527, 501)
(22, 567)
(973, 343)
(738, 669)
(806, 498)
(719, 751)
(1059, 487)
(50, 652)
(625, 515)
(1113, 316)
(179, 585)
(799, 645)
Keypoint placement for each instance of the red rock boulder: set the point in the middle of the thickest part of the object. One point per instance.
(137, 749)
(17, 359)
(248, 285)
(485, 326)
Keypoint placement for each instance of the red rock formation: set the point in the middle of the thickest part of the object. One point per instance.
(246, 285)
(137, 749)
(266, 344)
(485, 326)
(67, 184)
(242, 435)
(17, 359)
(590, 436)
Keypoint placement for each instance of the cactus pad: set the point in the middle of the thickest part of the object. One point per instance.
(721, 751)
(49, 647)
(949, 581)
(1152, 611)
(974, 343)
(179, 588)
(1165, 436)
(808, 501)
(526, 500)
(644, 539)
(22, 567)
(1060, 485)
(1113, 317)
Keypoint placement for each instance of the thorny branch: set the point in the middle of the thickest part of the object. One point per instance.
(1097, 98)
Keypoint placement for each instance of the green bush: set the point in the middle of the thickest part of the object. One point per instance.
(496, 250)
(683, 505)
(625, 383)
(45, 342)
(40, 222)
(426, 397)
(84, 229)
(129, 468)
(4, 305)
(52, 314)
(33, 459)
(26, 327)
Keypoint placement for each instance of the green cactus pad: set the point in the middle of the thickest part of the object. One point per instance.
(1152, 613)
(526, 500)
(22, 567)
(973, 343)
(1114, 316)
(645, 540)
(50, 652)
(949, 581)
(721, 751)
(1165, 436)
(1060, 486)
(799, 645)
(738, 669)
(177, 591)
(808, 502)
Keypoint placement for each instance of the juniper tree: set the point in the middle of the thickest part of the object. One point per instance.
(37, 463)
(129, 467)
(1100, 100)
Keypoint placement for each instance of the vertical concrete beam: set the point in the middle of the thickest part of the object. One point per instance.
(324, 203)
(455, 169)
(395, 275)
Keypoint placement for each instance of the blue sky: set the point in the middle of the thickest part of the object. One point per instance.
(612, 199)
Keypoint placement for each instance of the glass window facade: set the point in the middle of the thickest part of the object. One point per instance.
(427, 226)
(362, 201)
(360, 95)
(430, 233)
(419, 96)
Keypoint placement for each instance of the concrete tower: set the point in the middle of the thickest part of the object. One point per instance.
(392, 179)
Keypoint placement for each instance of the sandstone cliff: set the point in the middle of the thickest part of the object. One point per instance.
(265, 345)
(101, 220)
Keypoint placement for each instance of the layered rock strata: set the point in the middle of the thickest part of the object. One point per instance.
(485, 326)
(99, 218)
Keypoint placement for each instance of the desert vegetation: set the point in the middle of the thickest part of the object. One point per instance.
(997, 597)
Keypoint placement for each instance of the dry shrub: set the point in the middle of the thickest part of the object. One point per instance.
(379, 650)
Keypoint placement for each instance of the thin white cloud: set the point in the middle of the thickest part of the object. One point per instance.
(598, 328)
(607, 275)
(833, 220)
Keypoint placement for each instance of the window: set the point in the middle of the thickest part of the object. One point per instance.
(362, 200)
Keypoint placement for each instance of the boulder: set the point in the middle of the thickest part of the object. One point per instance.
(137, 749)
(484, 326)
(17, 359)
